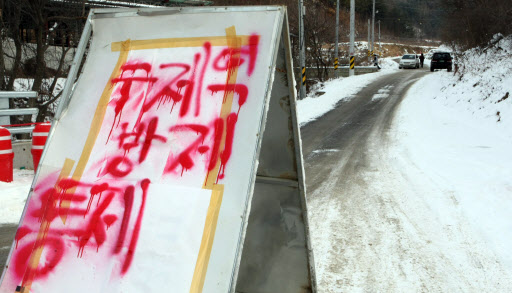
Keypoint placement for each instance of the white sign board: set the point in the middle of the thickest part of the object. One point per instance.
(145, 182)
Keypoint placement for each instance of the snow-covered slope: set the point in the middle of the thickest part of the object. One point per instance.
(482, 85)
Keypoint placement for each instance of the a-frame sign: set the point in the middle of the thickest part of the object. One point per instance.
(174, 163)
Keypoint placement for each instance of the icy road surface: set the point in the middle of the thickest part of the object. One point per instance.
(406, 195)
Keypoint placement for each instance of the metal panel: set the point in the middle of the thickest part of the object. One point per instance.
(22, 111)
(277, 32)
(4, 103)
(73, 71)
(23, 129)
(277, 255)
(7, 95)
(278, 181)
(22, 150)
(279, 161)
(118, 12)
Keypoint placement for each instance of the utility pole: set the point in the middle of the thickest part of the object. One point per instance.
(352, 33)
(302, 52)
(380, 45)
(373, 30)
(336, 44)
(369, 43)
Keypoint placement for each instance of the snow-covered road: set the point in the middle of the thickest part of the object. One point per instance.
(423, 208)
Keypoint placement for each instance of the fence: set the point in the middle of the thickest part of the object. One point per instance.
(343, 70)
(21, 148)
(5, 112)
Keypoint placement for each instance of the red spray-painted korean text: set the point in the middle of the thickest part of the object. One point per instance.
(169, 108)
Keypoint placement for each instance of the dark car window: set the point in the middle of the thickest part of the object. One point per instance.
(442, 56)
(408, 57)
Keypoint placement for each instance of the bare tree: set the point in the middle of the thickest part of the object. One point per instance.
(37, 39)
(474, 22)
(319, 25)
(11, 45)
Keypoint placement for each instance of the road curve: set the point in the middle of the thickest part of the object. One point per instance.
(351, 226)
(342, 134)
(374, 215)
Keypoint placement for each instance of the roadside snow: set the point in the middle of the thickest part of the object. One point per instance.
(338, 89)
(13, 196)
(452, 135)
(483, 86)
(456, 129)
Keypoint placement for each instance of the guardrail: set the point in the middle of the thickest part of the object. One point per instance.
(4, 95)
(343, 71)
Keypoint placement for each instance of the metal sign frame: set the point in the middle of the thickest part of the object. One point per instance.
(281, 48)
(275, 177)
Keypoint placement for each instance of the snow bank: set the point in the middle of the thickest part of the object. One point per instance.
(455, 128)
(13, 196)
(482, 85)
(466, 156)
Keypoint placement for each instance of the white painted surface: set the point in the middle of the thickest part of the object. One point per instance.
(175, 209)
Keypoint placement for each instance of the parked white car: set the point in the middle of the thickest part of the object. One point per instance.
(409, 61)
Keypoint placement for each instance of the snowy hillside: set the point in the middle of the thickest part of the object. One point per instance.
(483, 83)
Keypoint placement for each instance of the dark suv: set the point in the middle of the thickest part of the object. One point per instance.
(441, 60)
